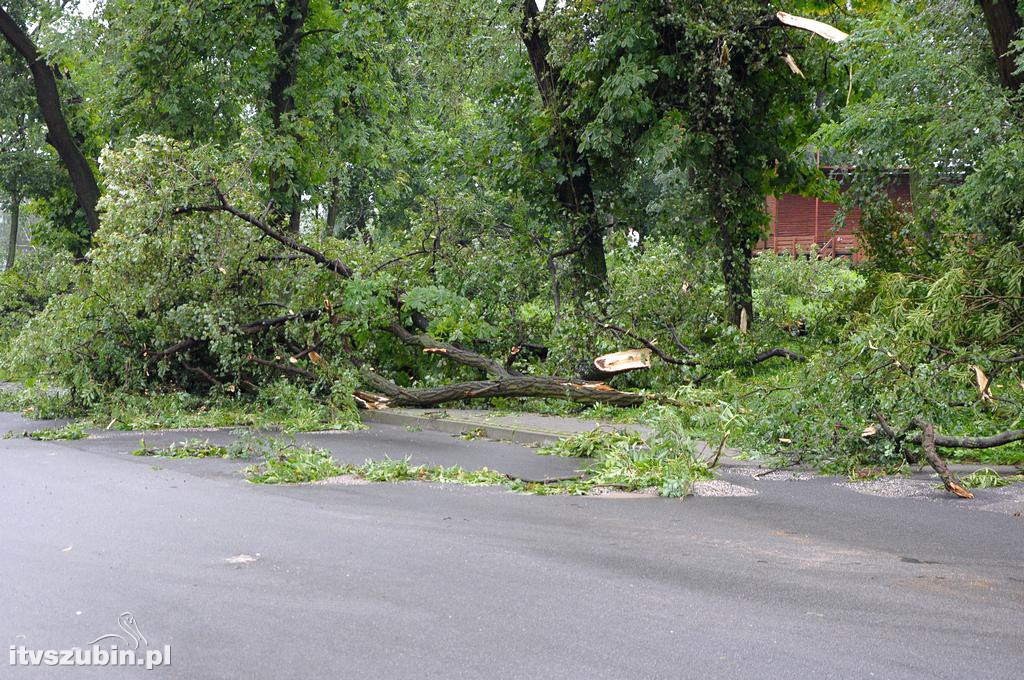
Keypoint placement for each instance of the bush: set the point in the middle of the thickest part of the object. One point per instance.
(815, 295)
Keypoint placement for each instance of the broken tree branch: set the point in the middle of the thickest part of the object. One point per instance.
(336, 266)
(991, 442)
(510, 386)
(667, 358)
(897, 439)
(949, 480)
(457, 354)
(503, 384)
(251, 328)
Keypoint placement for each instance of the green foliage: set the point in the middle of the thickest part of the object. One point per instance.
(71, 431)
(291, 464)
(593, 444)
(623, 460)
(985, 478)
(811, 295)
(28, 286)
(193, 448)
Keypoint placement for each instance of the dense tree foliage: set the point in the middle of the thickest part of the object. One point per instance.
(391, 201)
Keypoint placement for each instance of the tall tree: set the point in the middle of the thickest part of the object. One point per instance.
(1003, 20)
(704, 87)
(307, 81)
(291, 19)
(59, 135)
(575, 185)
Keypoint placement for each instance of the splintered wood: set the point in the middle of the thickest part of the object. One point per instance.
(619, 362)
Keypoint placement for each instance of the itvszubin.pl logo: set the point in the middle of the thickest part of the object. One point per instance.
(130, 649)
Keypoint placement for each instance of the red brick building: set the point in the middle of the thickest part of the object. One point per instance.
(799, 224)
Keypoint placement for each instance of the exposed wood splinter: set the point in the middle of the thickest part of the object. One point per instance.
(820, 28)
(621, 362)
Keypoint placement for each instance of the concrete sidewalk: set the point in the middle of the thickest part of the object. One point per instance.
(531, 429)
(535, 429)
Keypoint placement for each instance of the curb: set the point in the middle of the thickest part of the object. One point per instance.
(535, 437)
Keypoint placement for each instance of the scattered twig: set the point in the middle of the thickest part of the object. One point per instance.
(721, 447)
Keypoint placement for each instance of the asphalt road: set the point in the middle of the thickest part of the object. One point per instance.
(806, 579)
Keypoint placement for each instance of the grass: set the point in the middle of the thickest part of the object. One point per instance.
(401, 470)
(193, 448)
(292, 465)
(38, 403)
(671, 475)
(179, 410)
(247, 445)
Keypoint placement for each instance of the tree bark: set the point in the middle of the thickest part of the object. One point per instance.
(1003, 21)
(575, 192)
(510, 386)
(12, 244)
(287, 206)
(44, 79)
(949, 480)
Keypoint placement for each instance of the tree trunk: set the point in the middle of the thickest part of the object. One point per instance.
(12, 245)
(511, 386)
(287, 206)
(1003, 21)
(333, 208)
(575, 192)
(44, 78)
(737, 251)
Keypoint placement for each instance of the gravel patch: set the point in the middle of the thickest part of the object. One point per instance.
(894, 487)
(342, 480)
(719, 488)
(761, 474)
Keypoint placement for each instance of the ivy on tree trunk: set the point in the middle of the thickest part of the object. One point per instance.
(575, 190)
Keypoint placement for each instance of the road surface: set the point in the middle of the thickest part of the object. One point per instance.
(805, 579)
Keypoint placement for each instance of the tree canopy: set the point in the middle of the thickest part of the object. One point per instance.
(385, 202)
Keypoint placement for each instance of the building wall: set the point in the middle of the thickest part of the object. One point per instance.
(802, 225)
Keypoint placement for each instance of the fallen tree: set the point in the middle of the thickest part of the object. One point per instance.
(501, 382)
